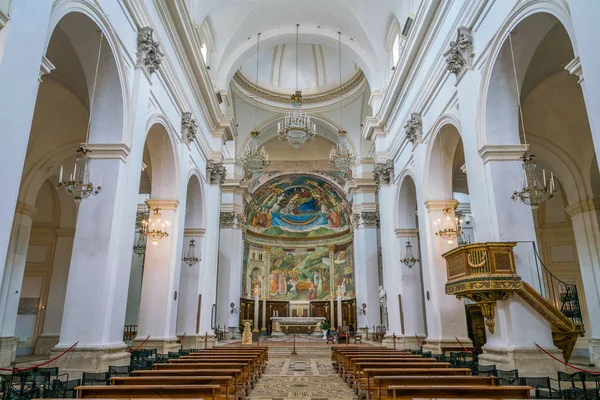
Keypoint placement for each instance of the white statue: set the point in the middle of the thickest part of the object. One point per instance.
(382, 295)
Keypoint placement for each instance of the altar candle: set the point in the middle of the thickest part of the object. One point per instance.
(60, 174)
(525, 175)
(544, 176)
(75, 171)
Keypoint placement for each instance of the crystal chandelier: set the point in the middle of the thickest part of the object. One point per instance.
(255, 157)
(155, 228)
(191, 258)
(449, 229)
(533, 193)
(341, 156)
(409, 259)
(296, 128)
(80, 186)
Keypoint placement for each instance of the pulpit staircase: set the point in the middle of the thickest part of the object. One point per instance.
(485, 273)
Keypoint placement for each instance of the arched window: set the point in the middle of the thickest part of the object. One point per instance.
(204, 52)
(206, 46)
(393, 44)
(396, 50)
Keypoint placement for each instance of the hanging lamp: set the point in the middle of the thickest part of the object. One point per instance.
(449, 228)
(533, 192)
(296, 128)
(341, 156)
(190, 257)
(409, 259)
(255, 157)
(80, 185)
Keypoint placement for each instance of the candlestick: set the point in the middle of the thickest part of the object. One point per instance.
(60, 174)
(544, 176)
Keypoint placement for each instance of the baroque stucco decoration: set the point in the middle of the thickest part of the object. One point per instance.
(383, 173)
(189, 127)
(413, 128)
(370, 219)
(216, 173)
(460, 55)
(149, 55)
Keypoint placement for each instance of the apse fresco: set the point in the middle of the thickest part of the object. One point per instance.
(302, 274)
(298, 206)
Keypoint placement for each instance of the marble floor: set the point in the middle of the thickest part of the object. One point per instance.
(308, 375)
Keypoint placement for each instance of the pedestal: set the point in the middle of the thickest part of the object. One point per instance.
(529, 361)
(8, 350)
(162, 346)
(90, 359)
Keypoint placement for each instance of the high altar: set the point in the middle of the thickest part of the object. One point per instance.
(287, 325)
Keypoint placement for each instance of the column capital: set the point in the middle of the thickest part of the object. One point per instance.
(189, 127)
(413, 128)
(583, 206)
(407, 232)
(149, 55)
(108, 151)
(502, 152)
(26, 209)
(369, 219)
(227, 219)
(194, 232)
(440, 205)
(383, 173)
(460, 55)
(163, 204)
(215, 172)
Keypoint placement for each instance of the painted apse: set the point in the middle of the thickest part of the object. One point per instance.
(309, 220)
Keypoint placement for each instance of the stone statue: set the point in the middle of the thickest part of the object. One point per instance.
(382, 295)
(247, 334)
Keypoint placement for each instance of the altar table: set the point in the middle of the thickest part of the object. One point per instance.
(287, 325)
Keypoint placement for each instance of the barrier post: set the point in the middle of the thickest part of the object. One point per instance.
(294, 348)
(394, 338)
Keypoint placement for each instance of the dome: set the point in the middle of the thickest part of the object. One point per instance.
(318, 68)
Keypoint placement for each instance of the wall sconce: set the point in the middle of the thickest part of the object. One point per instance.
(362, 310)
(233, 309)
(409, 259)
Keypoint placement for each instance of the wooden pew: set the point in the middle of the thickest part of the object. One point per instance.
(212, 392)
(348, 367)
(246, 376)
(366, 380)
(238, 382)
(356, 375)
(398, 392)
(382, 382)
(228, 390)
(340, 355)
(255, 363)
(261, 353)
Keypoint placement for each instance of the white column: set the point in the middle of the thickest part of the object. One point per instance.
(96, 296)
(366, 268)
(339, 306)
(13, 279)
(134, 293)
(256, 308)
(585, 217)
(446, 317)
(413, 300)
(24, 45)
(392, 281)
(158, 307)
(187, 314)
(208, 286)
(231, 247)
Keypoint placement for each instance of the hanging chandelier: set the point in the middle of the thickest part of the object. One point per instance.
(139, 248)
(533, 192)
(296, 128)
(255, 157)
(449, 229)
(409, 259)
(341, 156)
(154, 228)
(190, 257)
(80, 185)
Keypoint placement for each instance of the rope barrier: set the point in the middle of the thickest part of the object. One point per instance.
(41, 364)
(461, 345)
(141, 344)
(419, 340)
(566, 364)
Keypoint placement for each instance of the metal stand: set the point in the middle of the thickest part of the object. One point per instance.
(294, 348)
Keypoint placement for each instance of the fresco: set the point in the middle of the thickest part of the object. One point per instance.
(298, 206)
(302, 274)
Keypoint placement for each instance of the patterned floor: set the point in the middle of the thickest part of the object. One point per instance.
(306, 376)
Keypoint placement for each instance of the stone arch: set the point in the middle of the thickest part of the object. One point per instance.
(161, 148)
(441, 150)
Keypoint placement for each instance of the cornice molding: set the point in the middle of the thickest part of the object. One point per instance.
(26, 209)
(407, 232)
(440, 205)
(499, 152)
(108, 151)
(3, 19)
(194, 232)
(583, 206)
(574, 68)
(163, 204)
(45, 67)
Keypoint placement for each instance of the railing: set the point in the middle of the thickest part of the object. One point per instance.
(564, 296)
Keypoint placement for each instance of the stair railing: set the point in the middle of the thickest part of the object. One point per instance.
(563, 295)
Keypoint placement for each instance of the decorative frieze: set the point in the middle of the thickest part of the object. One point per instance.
(227, 219)
(460, 55)
(189, 127)
(413, 129)
(383, 173)
(215, 172)
(149, 55)
(370, 219)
